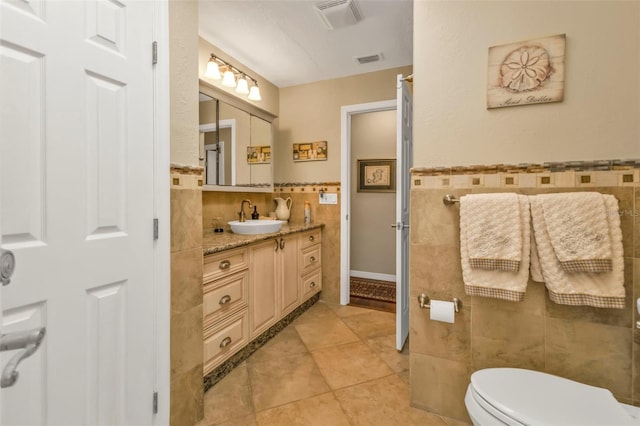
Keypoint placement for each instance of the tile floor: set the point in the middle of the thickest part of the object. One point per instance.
(334, 365)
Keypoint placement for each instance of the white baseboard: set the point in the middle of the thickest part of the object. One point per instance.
(373, 276)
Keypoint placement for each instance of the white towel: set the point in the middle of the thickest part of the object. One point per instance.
(579, 231)
(602, 290)
(505, 285)
(490, 227)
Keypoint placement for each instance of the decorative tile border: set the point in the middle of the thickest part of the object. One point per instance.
(295, 187)
(186, 177)
(226, 367)
(599, 165)
(573, 174)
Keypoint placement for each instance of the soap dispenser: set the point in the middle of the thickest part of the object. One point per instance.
(255, 215)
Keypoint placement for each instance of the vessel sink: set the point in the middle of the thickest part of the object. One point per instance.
(255, 226)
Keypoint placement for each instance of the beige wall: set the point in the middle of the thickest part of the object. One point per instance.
(186, 399)
(311, 112)
(183, 46)
(598, 118)
(373, 136)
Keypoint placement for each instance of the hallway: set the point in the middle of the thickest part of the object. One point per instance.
(334, 365)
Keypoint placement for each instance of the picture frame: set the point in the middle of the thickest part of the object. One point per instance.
(310, 151)
(377, 175)
(527, 72)
(260, 154)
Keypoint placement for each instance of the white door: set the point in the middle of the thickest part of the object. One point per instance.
(76, 198)
(404, 159)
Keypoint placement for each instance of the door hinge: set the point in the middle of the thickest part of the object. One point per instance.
(155, 228)
(155, 403)
(154, 49)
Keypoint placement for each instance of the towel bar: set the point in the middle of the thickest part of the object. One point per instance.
(425, 302)
(449, 199)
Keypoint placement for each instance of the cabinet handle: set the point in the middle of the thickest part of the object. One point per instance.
(281, 243)
(225, 342)
(225, 299)
(313, 284)
(225, 264)
(311, 238)
(276, 240)
(312, 259)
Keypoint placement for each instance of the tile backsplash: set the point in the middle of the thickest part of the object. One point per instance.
(595, 346)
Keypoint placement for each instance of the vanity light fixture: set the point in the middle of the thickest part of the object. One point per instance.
(232, 77)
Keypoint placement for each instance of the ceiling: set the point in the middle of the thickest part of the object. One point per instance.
(287, 42)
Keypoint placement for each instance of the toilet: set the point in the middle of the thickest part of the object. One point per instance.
(513, 396)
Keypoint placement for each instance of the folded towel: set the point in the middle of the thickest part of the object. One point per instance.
(490, 227)
(507, 285)
(578, 230)
(602, 290)
(535, 268)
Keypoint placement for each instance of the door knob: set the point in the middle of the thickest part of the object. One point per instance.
(7, 266)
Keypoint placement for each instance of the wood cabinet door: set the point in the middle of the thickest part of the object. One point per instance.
(288, 273)
(263, 286)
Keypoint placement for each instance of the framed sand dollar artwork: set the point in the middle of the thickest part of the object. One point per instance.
(527, 72)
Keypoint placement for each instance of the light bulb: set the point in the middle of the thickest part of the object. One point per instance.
(213, 71)
(243, 86)
(229, 78)
(254, 93)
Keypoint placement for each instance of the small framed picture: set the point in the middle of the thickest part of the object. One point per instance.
(259, 154)
(377, 175)
(310, 151)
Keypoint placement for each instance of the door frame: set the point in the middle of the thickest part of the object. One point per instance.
(162, 211)
(345, 178)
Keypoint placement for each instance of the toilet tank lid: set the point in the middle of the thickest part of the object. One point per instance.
(533, 397)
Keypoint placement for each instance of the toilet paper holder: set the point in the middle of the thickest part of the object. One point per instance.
(425, 302)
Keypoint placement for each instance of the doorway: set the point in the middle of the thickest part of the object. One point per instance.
(372, 274)
(349, 185)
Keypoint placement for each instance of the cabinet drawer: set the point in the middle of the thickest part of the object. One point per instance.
(311, 258)
(310, 237)
(224, 296)
(225, 263)
(225, 339)
(311, 283)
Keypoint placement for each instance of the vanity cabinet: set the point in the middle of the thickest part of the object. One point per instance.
(249, 289)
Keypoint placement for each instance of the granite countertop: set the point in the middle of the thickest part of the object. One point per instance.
(217, 242)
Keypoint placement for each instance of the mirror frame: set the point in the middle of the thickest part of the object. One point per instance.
(210, 90)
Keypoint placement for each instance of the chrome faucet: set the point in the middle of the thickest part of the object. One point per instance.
(243, 216)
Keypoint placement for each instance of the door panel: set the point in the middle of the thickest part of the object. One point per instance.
(404, 160)
(76, 208)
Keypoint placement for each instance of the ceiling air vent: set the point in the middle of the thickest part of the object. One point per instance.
(370, 58)
(338, 13)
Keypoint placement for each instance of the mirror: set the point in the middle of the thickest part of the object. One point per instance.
(235, 147)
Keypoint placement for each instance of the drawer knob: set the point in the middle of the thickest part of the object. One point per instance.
(225, 264)
(311, 238)
(312, 259)
(225, 342)
(225, 299)
(313, 284)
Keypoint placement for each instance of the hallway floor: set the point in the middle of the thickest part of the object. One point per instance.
(334, 365)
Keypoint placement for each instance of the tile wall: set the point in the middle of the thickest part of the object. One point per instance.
(186, 295)
(224, 206)
(596, 346)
